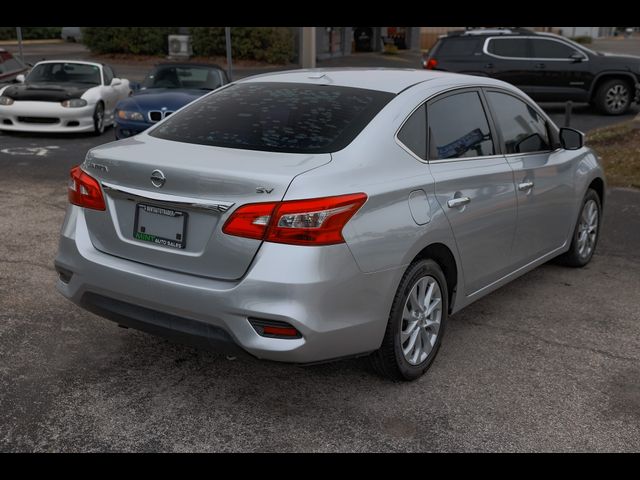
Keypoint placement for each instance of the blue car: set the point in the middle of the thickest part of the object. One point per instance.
(166, 88)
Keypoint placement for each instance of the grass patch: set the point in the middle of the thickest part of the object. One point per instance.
(618, 147)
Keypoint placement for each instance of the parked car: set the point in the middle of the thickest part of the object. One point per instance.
(71, 34)
(547, 67)
(10, 67)
(63, 96)
(311, 215)
(166, 88)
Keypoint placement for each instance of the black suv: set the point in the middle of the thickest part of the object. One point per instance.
(548, 67)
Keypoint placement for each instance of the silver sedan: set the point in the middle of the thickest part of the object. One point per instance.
(311, 215)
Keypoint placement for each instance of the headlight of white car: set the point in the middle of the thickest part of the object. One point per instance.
(128, 115)
(74, 103)
(6, 100)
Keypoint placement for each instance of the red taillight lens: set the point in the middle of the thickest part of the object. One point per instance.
(432, 63)
(85, 191)
(317, 221)
(250, 221)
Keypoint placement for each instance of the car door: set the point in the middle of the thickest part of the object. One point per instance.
(563, 71)
(543, 176)
(473, 184)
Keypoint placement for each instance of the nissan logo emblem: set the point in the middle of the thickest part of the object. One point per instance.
(158, 178)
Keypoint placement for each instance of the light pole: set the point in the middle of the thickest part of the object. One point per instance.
(19, 35)
(308, 47)
(227, 36)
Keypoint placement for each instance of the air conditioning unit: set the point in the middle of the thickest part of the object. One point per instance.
(180, 46)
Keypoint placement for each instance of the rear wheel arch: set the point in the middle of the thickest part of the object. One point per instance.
(443, 256)
(604, 77)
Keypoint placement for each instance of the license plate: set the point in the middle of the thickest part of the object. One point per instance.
(160, 225)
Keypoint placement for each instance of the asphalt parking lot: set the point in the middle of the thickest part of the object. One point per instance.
(551, 362)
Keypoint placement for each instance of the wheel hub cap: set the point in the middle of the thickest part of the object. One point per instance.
(617, 98)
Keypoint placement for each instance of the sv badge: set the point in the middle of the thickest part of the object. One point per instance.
(264, 190)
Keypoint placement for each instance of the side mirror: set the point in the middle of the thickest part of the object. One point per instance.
(576, 57)
(20, 78)
(571, 139)
(135, 86)
(115, 82)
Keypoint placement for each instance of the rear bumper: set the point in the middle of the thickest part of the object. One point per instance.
(339, 310)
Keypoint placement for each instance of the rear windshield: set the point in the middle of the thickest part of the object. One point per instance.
(277, 117)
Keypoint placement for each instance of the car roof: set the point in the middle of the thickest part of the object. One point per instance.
(188, 64)
(71, 61)
(491, 32)
(391, 80)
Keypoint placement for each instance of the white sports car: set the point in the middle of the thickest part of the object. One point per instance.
(63, 96)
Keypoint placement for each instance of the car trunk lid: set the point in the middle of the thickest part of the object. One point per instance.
(176, 224)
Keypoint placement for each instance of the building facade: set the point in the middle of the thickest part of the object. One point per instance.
(340, 41)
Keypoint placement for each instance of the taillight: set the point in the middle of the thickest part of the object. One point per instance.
(317, 221)
(432, 63)
(85, 191)
(250, 221)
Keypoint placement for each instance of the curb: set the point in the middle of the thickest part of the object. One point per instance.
(12, 43)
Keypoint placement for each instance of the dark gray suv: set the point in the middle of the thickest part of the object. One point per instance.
(548, 67)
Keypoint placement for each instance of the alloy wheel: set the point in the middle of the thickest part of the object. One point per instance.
(588, 229)
(421, 320)
(617, 98)
(100, 118)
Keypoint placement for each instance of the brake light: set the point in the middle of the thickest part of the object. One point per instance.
(85, 190)
(432, 63)
(250, 221)
(317, 221)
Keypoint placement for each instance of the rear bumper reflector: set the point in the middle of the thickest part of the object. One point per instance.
(274, 328)
(63, 274)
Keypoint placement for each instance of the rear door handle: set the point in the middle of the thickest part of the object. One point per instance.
(489, 65)
(524, 186)
(458, 202)
(539, 65)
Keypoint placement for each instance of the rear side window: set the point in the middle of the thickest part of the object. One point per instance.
(413, 133)
(458, 127)
(551, 49)
(509, 47)
(523, 129)
(458, 46)
(277, 117)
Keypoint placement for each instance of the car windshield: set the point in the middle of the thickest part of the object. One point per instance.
(65, 73)
(276, 117)
(191, 77)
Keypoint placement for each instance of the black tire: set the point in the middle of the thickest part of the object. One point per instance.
(389, 360)
(607, 107)
(573, 258)
(98, 126)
